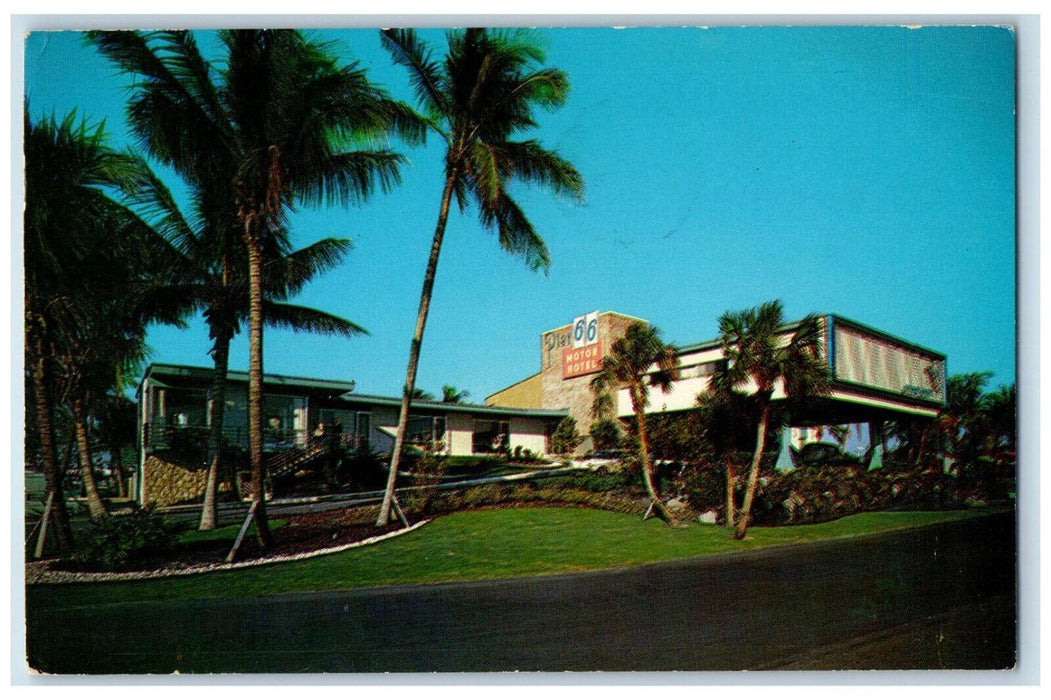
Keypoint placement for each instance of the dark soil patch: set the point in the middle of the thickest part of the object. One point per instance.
(301, 534)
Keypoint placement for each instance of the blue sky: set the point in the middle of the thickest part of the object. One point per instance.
(864, 171)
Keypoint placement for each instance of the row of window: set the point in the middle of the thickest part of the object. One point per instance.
(286, 422)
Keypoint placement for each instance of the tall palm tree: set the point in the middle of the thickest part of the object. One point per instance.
(757, 353)
(276, 125)
(211, 276)
(962, 425)
(88, 258)
(479, 98)
(628, 364)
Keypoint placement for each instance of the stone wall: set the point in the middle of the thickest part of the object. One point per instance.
(166, 483)
(574, 393)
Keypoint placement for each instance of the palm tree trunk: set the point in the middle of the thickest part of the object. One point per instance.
(116, 463)
(58, 515)
(221, 355)
(87, 473)
(255, 384)
(638, 404)
(414, 349)
(731, 488)
(753, 474)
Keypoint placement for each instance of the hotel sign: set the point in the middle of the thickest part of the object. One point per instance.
(585, 356)
(577, 362)
(861, 358)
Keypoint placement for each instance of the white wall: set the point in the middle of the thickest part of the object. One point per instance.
(459, 431)
(529, 433)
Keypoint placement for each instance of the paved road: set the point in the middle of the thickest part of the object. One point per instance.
(935, 597)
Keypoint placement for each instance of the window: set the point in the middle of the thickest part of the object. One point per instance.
(284, 421)
(491, 436)
(426, 432)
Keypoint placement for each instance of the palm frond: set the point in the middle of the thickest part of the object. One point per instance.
(516, 233)
(352, 176)
(528, 161)
(287, 275)
(406, 49)
(302, 318)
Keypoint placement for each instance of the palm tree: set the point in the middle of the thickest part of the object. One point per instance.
(840, 433)
(116, 427)
(212, 276)
(725, 424)
(628, 363)
(962, 424)
(757, 353)
(480, 97)
(89, 260)
(451, 394)
(268, 130)
(1000, 408)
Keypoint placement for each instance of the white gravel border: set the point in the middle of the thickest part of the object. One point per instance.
(40, 571)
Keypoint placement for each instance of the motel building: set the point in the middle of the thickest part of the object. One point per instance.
(875, 377)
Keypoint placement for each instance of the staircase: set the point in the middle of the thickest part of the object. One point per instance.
(289, 461)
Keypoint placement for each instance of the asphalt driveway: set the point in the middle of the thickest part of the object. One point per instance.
(941, 596)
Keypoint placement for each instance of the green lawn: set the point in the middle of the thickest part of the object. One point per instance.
(228, 532)
(482, 544)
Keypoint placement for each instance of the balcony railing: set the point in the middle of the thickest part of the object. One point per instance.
(190, 438)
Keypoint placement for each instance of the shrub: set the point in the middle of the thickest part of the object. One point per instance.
(705, 486)
(427, 473)
(566, 437)
(817, 494)
(602, 480)
(363, 470)
(118, 540)
(524, 455)
(605, 434)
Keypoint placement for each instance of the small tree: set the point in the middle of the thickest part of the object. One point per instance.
(606, 434)
(726, 423)
(758, 354)
(566, 436)
(629, 363)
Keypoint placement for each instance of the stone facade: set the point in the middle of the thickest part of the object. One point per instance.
(166, 483)
(574, 393)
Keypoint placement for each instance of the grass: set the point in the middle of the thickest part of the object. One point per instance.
(228, 533)
(483, 544)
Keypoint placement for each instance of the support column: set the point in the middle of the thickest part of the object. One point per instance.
(784, 457)
(875, 452)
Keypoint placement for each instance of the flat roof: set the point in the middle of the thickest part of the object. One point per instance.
(341, 391)
(161, 370)
(456, 407)
(837, 320)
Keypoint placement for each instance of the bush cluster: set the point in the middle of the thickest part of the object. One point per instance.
(817, 494)
(705, 487)
(117, 540)
(548, 491)
(427, 473)
(601, 480)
